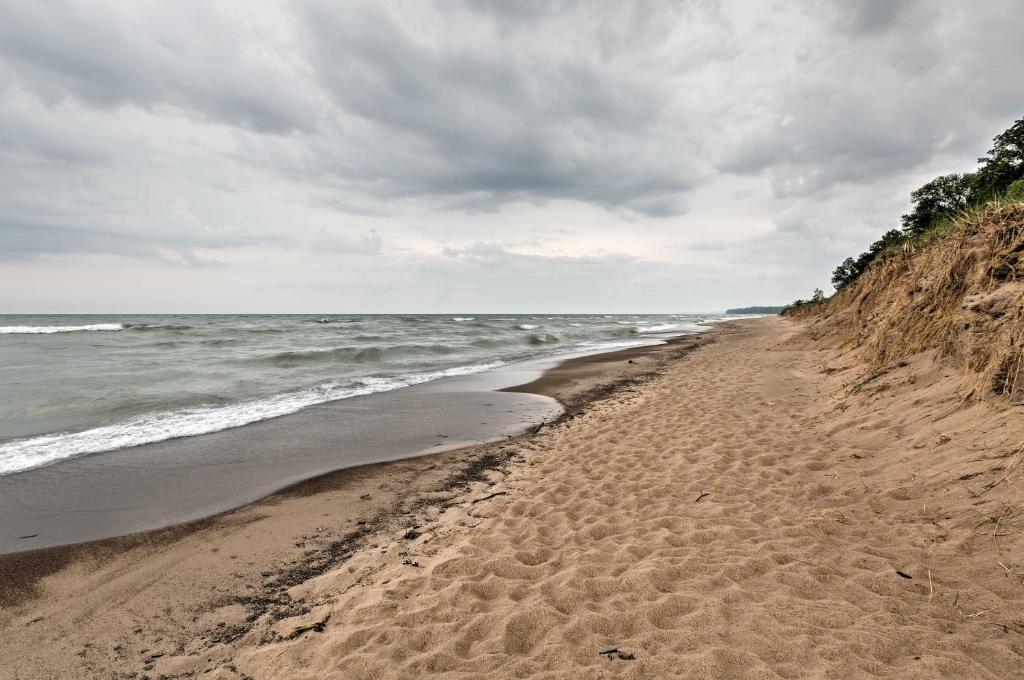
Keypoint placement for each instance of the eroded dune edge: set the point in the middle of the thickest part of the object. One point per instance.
(786, 501)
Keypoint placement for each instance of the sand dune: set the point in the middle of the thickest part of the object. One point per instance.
(745, 514)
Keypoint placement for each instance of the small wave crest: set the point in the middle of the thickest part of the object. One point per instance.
(157, 327)
(542, 339)
(25, 454)
(526, 326)
(352, 354)
(491, 343)
(34, 330)
(220, 342)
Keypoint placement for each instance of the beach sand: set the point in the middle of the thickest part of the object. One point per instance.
(746, 506)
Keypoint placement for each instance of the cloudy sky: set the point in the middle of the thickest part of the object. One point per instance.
(487, 156)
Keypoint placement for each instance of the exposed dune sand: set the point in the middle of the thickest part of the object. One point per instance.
(745, 514)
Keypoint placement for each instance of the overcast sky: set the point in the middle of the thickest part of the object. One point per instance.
(488, 156)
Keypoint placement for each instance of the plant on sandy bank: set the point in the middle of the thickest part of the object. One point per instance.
(1015, 192)
(937, 204)
(959, 292)
(816, 298)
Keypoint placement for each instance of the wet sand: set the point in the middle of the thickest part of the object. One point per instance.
(99, 506)
(171, 482)
(166, 483)
(736, 510)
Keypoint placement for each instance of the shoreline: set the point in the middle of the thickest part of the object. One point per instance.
(575, 383)
(154, 486)
(751, 508)
(249, 369)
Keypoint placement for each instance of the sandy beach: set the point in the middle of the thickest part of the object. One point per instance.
(750, 505)
(507, 340)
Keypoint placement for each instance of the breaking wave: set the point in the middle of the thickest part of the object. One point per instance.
(33, 330)
(33, 452)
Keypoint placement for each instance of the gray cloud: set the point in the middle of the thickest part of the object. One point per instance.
(708, 148)
(477, 122)
(873, 16)
(888, 99)
(182, 55)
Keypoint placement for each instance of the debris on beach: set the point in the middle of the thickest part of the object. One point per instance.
(616, 653)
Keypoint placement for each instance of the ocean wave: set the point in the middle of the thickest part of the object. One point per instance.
(157, 327)
(463, 318)
(623, 332)
(33, 330)
(526, 326)
(542, 338)
(263, 331)
(25, 454)
(219, 342)
(355, 354)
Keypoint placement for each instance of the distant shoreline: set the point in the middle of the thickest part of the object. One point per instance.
(765, 309)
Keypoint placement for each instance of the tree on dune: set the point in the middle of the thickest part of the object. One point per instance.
(939, 200)
(1004, 163)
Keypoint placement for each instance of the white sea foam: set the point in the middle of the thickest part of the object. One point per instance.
(33, 452)
(617, 344)
(33, 330)
(463, 318)
(526, 326)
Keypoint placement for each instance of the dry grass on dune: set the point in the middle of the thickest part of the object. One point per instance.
(960, 293)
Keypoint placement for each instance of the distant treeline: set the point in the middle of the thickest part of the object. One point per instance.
(755, 310)
(1000, 176)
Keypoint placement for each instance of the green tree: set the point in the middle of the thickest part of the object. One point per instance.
(1004, 163)
(938, 200)
(850, 269)
(818, 295)
(845, 273)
